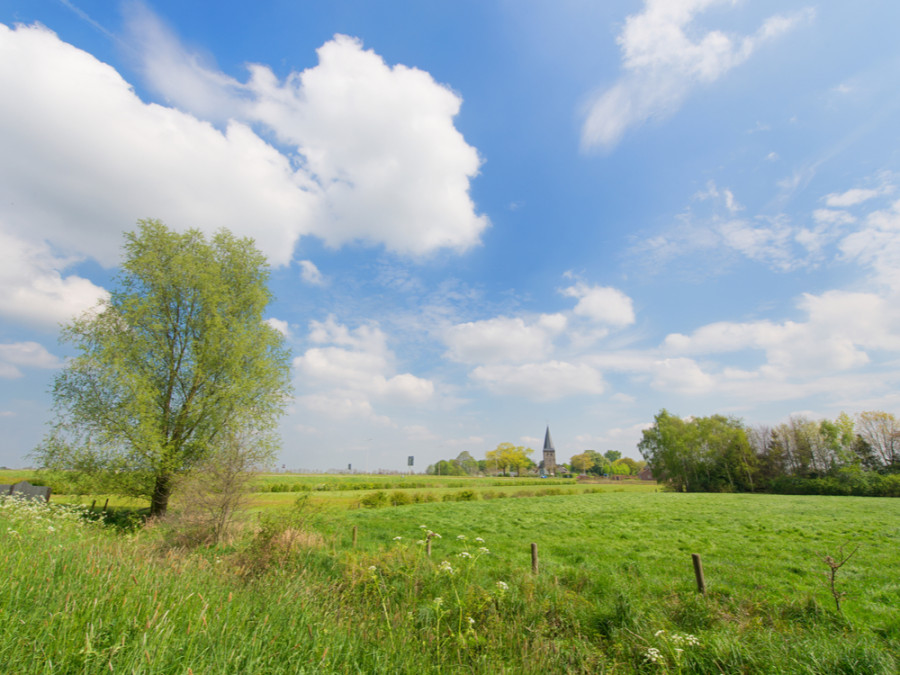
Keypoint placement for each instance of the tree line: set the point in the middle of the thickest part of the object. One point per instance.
(506, 458)
(848, 455)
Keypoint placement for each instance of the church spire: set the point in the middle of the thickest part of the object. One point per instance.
(549, 455)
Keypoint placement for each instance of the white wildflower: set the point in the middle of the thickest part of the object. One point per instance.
(653, 655)
(501, 586)
(465, 554)
(479, 540)
(483, 550)
(445, 567)
(461, 537)
(398, 538)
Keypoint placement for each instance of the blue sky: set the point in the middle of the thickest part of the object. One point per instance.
(482, 217)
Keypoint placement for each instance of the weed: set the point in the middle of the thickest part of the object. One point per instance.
(833, 567)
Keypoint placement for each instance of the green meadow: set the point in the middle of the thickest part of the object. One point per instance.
(614, 592)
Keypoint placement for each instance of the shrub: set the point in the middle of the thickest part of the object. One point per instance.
(400, 498)
(374, 500)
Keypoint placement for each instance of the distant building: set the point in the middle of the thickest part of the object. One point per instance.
(549, 455)
(646, 474)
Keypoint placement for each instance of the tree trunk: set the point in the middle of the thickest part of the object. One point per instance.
(159, 502)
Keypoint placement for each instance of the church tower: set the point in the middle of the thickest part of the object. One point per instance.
(549, 455)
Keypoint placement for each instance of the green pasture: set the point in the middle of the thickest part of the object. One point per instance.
(615, 590)
(277, 490)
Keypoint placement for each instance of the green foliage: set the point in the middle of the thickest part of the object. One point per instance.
(582, 462)
(374, 500)
(174, 359)
(401, 498)
(704, 454)
(506, 457)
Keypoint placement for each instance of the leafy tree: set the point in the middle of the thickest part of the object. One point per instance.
(467, 463)
(699, 454)
(633, 467)
(881, 431)
(612, 455)
(619, 468)
(175, 362)
(581, 462)
(599, 463)
(508, 456)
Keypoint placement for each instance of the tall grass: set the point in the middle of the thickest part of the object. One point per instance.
(615, 592)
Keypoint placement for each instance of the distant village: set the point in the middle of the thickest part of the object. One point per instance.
(508, 459)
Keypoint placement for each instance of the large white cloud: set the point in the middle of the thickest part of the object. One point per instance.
(378, 141)
(85, 158)
(375, 156)
(663, 61)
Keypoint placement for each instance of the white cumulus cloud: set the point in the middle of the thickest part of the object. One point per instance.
(376, 141)
(601, 304)
(367, 152)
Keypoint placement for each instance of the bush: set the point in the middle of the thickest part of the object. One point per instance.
(400, 498)
(848, 481)
(374, 500)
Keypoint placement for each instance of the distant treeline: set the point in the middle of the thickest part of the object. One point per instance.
(847, 456)
(337, 484)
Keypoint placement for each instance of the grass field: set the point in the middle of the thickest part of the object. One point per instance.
(279, 490)
(615, 591)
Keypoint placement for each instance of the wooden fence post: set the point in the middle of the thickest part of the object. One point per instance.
(428, 546)
(106, 505)
(698, 572)
(354, 536)
(534, 559)
(93, 504)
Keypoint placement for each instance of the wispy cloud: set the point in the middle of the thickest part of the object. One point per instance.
(664, 57)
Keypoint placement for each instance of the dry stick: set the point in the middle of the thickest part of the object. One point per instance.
(698, 572)
(534, 558)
